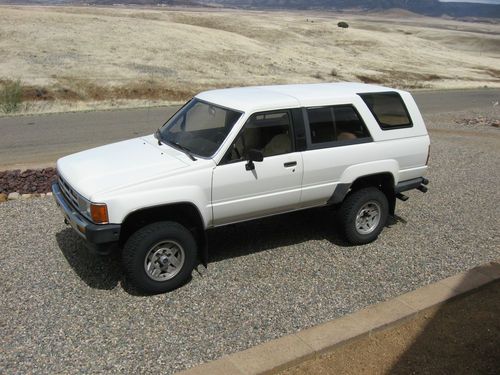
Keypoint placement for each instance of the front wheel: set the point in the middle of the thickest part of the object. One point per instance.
(363, 215)
(160, 257)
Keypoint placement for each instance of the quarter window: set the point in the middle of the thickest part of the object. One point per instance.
(340, 124)
(388, 109)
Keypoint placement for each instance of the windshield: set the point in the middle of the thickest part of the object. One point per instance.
(199, 127)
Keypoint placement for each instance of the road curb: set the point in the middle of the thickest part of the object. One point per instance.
(287, 351)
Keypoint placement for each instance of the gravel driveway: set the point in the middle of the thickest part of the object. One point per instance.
(63, 310)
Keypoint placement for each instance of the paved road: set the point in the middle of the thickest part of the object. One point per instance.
(40, 140)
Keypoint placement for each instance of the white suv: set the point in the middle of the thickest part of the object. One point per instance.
(239, 154)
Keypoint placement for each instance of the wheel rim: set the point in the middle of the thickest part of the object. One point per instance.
(164, 260)
(368, 217)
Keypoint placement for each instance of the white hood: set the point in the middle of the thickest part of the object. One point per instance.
(119, 164)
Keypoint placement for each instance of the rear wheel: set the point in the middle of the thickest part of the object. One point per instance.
(160, 257)
(363, 215)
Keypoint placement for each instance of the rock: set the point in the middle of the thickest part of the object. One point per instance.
(29, 181)
(25, 196)
(3, 197)
(49, 194)
(13, 196)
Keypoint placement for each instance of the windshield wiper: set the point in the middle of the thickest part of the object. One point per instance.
(186, 150)
(158, 137)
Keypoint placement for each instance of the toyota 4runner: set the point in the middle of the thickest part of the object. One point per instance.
(239, 154)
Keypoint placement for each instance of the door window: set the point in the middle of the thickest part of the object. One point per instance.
(269, 133)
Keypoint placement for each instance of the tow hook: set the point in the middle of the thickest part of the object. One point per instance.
(422, 187)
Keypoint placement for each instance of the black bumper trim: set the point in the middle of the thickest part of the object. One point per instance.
(414, 183)
(93, 233)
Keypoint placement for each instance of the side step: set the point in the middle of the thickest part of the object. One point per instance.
(402, 197)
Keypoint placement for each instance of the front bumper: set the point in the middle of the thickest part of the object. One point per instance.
(95, 234)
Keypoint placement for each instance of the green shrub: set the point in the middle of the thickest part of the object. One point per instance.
(343, 24)
(10, 96)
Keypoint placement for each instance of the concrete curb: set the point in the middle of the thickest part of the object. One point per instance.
(287, 351)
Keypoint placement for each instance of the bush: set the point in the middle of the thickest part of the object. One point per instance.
(343, 24)
(10, 96)
(317, 75)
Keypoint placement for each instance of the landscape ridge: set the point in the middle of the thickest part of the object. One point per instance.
(433, 8)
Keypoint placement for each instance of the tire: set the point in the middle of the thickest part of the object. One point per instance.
(363, 215)
(160, 257)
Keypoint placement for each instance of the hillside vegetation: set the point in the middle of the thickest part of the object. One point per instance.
(87, 57)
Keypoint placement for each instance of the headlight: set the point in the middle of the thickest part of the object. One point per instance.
(97, 212)
(84, 206)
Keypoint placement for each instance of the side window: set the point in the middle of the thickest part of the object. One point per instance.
(336, 125)
(388, 109)
(348, 124)
(267, 132)
(321, 124)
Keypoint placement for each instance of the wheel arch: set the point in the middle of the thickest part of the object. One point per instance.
(384, 181)
(184, 213)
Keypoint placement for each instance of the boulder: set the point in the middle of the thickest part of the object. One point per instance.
(13, 196)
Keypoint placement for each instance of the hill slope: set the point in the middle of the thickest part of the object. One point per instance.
(424, 7)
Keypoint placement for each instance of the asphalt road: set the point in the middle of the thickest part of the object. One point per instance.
(39, 140)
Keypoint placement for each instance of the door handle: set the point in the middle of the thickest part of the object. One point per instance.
(290, 164)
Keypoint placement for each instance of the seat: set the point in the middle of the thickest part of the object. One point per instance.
(344, 136)
(279, 144)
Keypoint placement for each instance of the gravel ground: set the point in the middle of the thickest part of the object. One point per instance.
(63, 310)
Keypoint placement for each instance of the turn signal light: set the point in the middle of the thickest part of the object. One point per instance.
(99, 213)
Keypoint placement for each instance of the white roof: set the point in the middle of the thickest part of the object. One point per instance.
(259, 98)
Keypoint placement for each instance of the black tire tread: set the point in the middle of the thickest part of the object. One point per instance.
(141, 236)
(349, 209)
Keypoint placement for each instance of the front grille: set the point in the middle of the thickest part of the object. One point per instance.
(69, 193)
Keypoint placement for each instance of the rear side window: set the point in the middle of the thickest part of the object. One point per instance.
(321, 124)
(388, 109)
(340, 124)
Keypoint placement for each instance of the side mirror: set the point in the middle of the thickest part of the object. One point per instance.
(253, 155)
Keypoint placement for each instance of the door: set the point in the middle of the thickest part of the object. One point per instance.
(337, 138)
(243, 190)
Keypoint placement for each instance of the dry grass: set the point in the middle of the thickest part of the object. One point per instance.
(87, 57)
